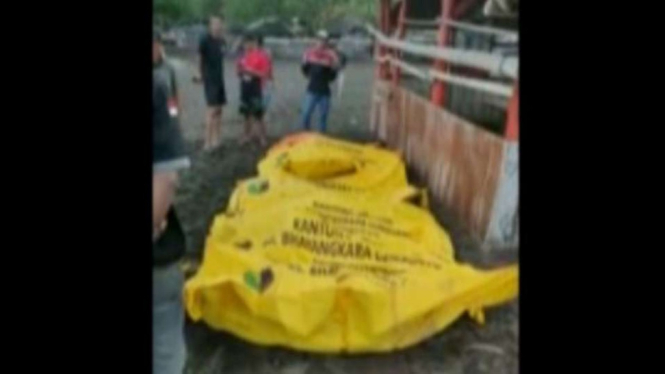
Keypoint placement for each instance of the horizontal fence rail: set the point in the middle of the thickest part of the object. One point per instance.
(495, 64)
(465, 26)
(430, 75)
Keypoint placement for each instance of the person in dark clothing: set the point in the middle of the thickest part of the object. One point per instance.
(163, 71)
(211, 72)
(254, 69)
(168, 246)
(319, 65)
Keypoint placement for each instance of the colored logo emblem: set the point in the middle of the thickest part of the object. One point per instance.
(258, 187)
(261, 281)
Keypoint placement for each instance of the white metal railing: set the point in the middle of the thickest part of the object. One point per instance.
(430, 75)
(480, 29)
(495, 64)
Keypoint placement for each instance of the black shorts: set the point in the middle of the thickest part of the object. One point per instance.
(252, 106)
(215, 93)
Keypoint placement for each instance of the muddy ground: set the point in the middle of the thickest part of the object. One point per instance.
(463, 348)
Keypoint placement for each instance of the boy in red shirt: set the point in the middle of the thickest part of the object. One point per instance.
(254, 69)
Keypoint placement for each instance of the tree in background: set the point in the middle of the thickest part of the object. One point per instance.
(168, 12)
(316, 12)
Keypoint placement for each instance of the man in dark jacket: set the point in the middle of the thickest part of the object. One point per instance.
(168, 245)
(319, 65)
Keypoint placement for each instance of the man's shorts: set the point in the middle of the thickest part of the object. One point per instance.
(252, 106)
(215, 93)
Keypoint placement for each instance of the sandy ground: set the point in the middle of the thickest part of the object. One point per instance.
(463, 348)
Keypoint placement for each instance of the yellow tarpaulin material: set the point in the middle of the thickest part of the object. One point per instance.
(334, 267)
(334, 164)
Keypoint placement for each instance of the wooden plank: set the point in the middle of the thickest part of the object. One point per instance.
(381, 96)
(392, 121)
(459, 161)
(415, 138)
(503, 231)
(424, 169)
(402, 107)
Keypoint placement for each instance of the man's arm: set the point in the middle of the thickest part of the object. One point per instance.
(257, 73)
(174, 82)
(199, 69)
(163, 191)
(334, 59)
(331, 73)
(168, 158)
(201, 57)
(305, 65)
(175, 92)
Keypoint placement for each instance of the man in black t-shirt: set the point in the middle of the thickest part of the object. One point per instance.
(211, 72)
(168, 245)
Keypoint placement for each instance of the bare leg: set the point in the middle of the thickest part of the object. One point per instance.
(208, 136)
(217, 126)
(247, 127)
(261, 126)
(252, 128)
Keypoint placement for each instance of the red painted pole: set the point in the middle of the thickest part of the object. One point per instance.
(438, 95)
(384, 26)
(513, 116)
(401, 31)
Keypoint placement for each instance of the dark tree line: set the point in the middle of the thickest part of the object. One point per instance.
(315, 12)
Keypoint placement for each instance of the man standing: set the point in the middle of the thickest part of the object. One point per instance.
(168, 341)
(211, 71)
(165, 73)
(319, 65)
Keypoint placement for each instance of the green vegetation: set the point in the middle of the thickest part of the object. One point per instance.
(316, 12)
